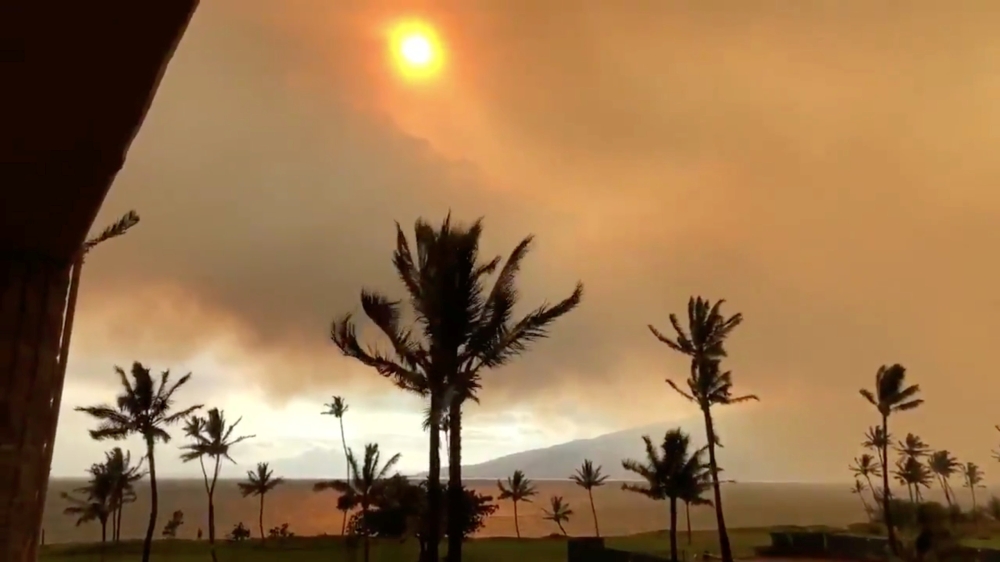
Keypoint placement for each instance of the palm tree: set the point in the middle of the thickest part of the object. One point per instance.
(704, 342)
(143, 408)
(913, 446)
(259, 483)
(973, 479)
(558, 513)
(366, 482)
(517, 489)
(97, 501)
(693, 494)
(669, 473)
(337, 408)
(876, 440)
(943, 465)
(891, 395)
(463, 328)
(914, 475)
(589, 477)
(866, 467)
(119, 465)
(211, 436)
(859, 489)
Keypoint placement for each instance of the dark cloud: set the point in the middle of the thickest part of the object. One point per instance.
(827, 168)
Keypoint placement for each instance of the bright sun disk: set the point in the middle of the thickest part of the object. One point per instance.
(415, 50)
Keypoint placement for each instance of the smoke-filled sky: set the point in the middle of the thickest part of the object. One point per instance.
(828, 167)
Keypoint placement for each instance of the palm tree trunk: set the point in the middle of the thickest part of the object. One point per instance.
(455, 491)
(687, 515)
(154, 501)
(343, 441)
(673, 530)
(865, 504)
(434, 482)
(972, 489)
(593, 511)
(517, 528)
(724, 547)
(260, 518)
(364, 517)
(886, 511)
(871, 488)
(104, 535)
(561, 529)
(33, 297)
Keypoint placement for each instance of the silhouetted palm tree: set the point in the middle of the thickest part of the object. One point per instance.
(669, 473)
(914, 475)
(589, 477)
(973, 476)
(876, 440)
(866, 467)
(97, 501)
(704, 342)
(259, 483)
(859, 489)
(337, 408)
(943, 465)
(913, 446)
(558, 512)
(211, 436)
(695, 495)
(517, 489)
(891, 395)
(118, 463)
(143, 408)
(366, 482)
(464, 327)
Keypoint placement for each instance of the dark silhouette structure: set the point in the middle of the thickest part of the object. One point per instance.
(78, 80)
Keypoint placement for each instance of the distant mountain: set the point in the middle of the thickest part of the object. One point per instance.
(760, 444)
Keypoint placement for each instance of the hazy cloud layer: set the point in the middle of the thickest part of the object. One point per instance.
(828, 169)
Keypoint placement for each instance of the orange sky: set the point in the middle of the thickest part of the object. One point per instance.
(828, 168)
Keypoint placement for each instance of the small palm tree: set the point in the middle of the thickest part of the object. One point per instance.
(891, 395)
(668, 474)
(118, 463)
(97, 501)
(517, 489)
(914, 475)
(859, 489)
(704, 342)
(143, 408)
(866, 467)
(973, 476)
(212, 437)
(367, 480)
(693, 495)
(337, 408)
(259, 483)
(589, 477)
(558, 513)
(943, 465)
(913, 446)
(876, 440)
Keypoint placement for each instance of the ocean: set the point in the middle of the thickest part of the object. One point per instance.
(619, 512)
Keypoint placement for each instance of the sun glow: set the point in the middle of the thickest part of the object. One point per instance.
(415, 49)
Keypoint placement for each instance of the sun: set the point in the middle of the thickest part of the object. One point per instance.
(415, 49)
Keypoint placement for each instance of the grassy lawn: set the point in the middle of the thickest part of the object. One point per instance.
(316, 549)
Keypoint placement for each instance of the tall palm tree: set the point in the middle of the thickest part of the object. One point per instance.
(973, 476)
(212, 437)
(866, 467)
(259, 483)
(143, 408)
(876, 440)
(559, 513)
(463, 328)
(944, 465)
(589, 477)
(367, 480)
(517, 489)
(97, 501)
(891, 395)
(118, 463)
(668, 473)
(337, 408)
(704, 342)
(859, 489)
